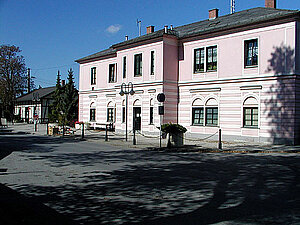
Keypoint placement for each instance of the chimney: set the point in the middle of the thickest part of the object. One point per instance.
(213, 14)
(171, 27)
(126, 38)
(166, 29)
(150, 29)
(270, 4)
(63, 82)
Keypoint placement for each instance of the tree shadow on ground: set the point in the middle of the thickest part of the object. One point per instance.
(210, 189)
(28, 142)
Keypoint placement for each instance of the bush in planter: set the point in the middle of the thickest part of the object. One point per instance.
(174, 129)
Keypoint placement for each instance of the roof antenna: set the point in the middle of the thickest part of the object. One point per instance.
(232, 6)
(138, 23)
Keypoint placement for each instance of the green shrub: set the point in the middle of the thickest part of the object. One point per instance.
(173, 128)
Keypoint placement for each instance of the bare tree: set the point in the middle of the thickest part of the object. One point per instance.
(12, 77)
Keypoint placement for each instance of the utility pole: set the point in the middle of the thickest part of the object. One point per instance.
(28, 80)
(232, 6)
(138, 22)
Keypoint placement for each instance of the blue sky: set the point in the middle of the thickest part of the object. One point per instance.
(54, 33)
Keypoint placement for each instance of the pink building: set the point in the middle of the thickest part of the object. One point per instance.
(238, 72)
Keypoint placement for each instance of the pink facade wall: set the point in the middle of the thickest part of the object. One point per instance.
(226, 85)
(229, 86)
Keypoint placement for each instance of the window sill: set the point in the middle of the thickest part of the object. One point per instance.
(208, 71)
(208, 125)
(251, 67)
(198, 72)
(112, 82)
(138, 75)
(197, 125)
(248, 127)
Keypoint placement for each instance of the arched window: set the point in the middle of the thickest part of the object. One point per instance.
(211, 112)
(250, 112)
(151, 111)
(93, 112)
(198, 112)
(111, 112)
(137, 102)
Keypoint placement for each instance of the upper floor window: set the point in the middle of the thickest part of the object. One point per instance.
(199, 60)
(112, 73)
(124, 67)
(251, 52)
(205, 59)
(138, 65)
(211, 58)
(93, 75)
(152, 63)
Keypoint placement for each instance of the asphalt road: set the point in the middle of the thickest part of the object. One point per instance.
(92, 182)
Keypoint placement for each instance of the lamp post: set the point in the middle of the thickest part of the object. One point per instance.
(125, 90)
(35, 98)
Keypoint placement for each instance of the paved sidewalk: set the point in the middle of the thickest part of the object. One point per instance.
(98, 182)
(152, 142)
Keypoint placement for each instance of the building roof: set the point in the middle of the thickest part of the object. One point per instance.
(105, 52)
(235, 20)
(42, 92)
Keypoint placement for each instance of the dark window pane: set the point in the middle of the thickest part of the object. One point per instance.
(211, 116)
(251, 52)
(197, 116)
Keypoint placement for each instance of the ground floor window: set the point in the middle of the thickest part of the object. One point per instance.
(123, 114)
(250, 116)
(110, 115)
(151, 115)
(211, 116)
(92, 114)
(197, 116)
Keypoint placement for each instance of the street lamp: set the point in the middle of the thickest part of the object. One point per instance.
(125, 90)
(35, 98)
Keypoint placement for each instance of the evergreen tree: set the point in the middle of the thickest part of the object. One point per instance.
(70, 100)
(56, 106)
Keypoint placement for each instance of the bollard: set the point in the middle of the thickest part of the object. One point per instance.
(134, 139)
(47, 128)
(82, 131)
(220, 140)
(106, 136)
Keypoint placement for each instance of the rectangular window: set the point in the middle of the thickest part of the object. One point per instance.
(151, 115)
(250, 117)
(93, 75)
(138, 65)
(110, 114)
(211, 117)
(199, 60)
(211, 58)
(198, 116)
(123, 114)
(112, 73)
(124, 67)
(152, 63)
(92, 114)
(251, 53)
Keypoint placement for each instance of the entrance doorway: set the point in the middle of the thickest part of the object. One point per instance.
(137, 118)
(27, 115)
